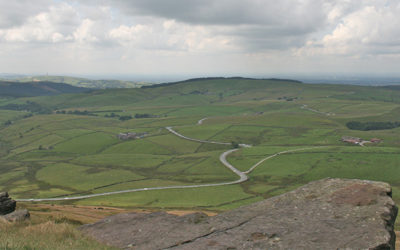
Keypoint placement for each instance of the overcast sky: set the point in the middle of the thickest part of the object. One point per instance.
(200, 37)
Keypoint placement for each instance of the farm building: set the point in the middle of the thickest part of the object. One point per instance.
(375, 140)
(349, 139)
(131, 135)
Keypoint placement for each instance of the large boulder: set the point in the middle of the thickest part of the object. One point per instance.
(326, 214)
(7, 205)
(18, 215)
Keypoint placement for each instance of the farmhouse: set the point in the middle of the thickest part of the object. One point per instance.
(349, 139)
(131, 135)
(359, 141)
(126, 136)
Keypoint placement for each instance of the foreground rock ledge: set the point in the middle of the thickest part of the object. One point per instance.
(325, 214)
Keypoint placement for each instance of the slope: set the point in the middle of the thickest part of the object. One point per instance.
(14, 89)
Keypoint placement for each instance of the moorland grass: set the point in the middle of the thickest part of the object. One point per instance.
(45, 234)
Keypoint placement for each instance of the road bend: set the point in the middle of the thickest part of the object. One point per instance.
(195, 140)
(242, 175)
(201, 121)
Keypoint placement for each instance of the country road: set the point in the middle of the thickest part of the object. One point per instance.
(195, 140)
(316, 111)
(242, 175)
(201, 121)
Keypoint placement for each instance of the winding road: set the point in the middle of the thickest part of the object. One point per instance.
(305, 106)
(242, 175)
(195, 140)
(201, 121)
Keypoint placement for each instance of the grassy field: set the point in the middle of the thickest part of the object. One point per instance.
(53, 227)
(45, 235)
(50, 155)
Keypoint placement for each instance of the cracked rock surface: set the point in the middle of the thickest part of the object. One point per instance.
(325, 214)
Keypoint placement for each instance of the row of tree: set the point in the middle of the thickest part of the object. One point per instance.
(128, 117)
(28, 106)
(75, 112)
(365, 126)
(120, 117)
(138, 116)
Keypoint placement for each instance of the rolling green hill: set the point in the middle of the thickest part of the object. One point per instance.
(83, 82)
(73, 148)
(221, 91)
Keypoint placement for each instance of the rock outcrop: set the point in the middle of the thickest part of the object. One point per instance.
(326, 214)
(7, 209)
(7, 205)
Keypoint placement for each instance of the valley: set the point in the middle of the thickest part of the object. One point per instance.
(297, 127)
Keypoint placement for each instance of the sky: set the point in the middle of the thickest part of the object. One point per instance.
(200, 37)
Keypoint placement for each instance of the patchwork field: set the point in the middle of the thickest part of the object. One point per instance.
(62, 155)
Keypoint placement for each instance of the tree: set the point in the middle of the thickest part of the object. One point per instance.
(235, 144)
(125, 118)
(365, 126)
(137, 116)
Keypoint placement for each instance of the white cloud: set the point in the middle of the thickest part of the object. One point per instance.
(83, 33)
(51, 26)
(181, 33)
(169, 35)
(125, 33)
(369, 30)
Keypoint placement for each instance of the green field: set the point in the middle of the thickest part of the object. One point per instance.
(50, 155)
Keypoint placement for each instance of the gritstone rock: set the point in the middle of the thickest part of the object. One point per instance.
(18, 215)
(7, 205)
(325, 214)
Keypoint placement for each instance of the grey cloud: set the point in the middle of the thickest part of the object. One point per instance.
(268, 38)
(227, 12)
(255, 24)
(193, 11)
(15, 13)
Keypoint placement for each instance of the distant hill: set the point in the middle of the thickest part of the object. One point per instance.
(204, 91)
(82, 82)
(392, 87)
(28, 89)
(216, 79)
